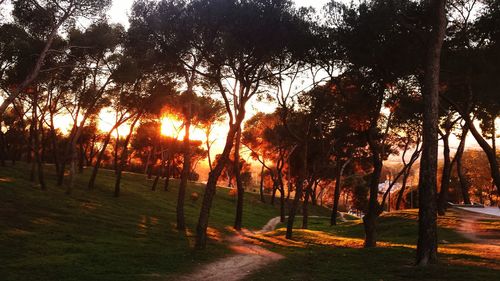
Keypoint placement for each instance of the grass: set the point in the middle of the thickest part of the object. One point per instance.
(324, 252)
(48, 235)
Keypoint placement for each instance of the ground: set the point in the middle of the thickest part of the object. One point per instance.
(336, 253)
(48, 235)
(93, 236)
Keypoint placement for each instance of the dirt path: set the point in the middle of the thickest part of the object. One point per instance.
(479, 228)
(248, 258)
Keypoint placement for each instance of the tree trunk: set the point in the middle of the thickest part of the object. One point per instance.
(370, 219)
(123, 157)
(62, 167)
(374, 208)
(336, 197)
(146, 168)
(282, 203)
(81, 154)
(370, 225)
(36, 144)
(445, 177)
(92, 152)
(261, 186)
(273, 194)
(298, 193)
(153, 164)
(55, 148)
(72, 168)
(201, 228)
(406, 174)
(314, 194)
(239, 184)
(305, 214)
(74, 153)
(464, 183)
(490, 153)
(36, 69)
(115, 153)
(186, 167)
(3, 151)
(402, 191)
(155, 181)
(98, 161)
(167, 175)
(427, 215)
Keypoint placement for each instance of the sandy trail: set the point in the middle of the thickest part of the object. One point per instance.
(474, 227)
(248, 258)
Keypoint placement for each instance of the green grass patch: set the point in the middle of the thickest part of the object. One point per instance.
(325, 252)
(90, 235)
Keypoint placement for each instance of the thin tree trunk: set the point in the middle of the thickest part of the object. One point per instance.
(74, 153)
(401, 192)
(282, 203)
(115, 153)
(92, 152)
(239, 184)
(186, 167)
(123, 157)
(153, 164)
(155, 181)
(336, 197)
(201, 228)
(313, 193)
(167, 174)
(445, 177)
(3, 150)
(273, 194)
(464, 183)
(36, 144)
(298, 193)
(490, 154)
(374, 208)
(36, 69)
(146, 169)
(305, 205)
(72, 168)
(98, 161)
(261, 186)
(427, 222)
(31, 154)
(55, 148)
(406, 173)
(81, 154)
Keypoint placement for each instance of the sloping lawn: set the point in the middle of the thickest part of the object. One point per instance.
(90, 235)
(336, 253)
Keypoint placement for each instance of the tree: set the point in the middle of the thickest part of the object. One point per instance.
(90, 76)
(251, 37)
(471, 89)
(43, 19)
(370, 38)
(427, 225)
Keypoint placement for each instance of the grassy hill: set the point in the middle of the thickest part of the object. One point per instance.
(336, 253)
(48, 235)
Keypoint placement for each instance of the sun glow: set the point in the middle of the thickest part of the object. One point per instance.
(106, 122)
(173, 127)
